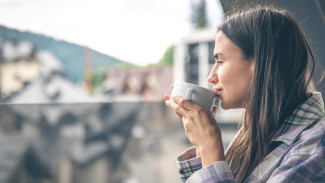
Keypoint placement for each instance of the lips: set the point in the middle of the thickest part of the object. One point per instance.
(217, 91)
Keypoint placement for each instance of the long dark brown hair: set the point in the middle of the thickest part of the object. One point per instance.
(281, 81)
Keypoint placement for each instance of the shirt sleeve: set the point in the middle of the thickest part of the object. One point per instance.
(191, 171)
(188, 163)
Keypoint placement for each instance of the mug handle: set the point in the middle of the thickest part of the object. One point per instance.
(188, 95)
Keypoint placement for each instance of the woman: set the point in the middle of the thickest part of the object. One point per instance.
(262, 65)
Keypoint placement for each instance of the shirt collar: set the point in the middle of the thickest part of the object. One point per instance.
(302, 117)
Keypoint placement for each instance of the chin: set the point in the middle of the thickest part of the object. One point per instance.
(227, 106)
(224, 106)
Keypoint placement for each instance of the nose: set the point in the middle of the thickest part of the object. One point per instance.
(213, 76)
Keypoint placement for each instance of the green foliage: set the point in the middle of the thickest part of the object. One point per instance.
(98, 77)
(168, 57)
(198, 16)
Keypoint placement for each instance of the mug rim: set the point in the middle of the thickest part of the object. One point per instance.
(195, 85)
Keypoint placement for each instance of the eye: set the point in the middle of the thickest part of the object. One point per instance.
(219, 62)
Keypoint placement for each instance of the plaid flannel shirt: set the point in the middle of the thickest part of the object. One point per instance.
(299, 158)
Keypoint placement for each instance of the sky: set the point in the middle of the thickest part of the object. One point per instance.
(136, 31)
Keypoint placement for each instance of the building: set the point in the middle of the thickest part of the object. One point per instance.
(193, 57)
(145, 84)
(18, 66)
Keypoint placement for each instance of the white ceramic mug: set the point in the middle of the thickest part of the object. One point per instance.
(195, 94)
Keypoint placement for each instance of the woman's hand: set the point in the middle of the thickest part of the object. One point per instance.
(167, 97)
(201, 128)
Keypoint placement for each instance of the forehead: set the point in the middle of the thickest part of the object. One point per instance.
(224, 45)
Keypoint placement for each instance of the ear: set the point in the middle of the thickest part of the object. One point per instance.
(252, 66)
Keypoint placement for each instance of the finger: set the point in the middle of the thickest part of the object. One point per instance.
(214, 110)
(167, 97)
(179, 115)
(178, 109)
(184, 103)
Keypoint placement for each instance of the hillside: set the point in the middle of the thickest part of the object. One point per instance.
(71, 55)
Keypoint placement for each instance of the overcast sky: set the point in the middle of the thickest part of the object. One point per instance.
(137, 31)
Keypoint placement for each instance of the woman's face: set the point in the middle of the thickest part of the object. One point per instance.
(231, 74)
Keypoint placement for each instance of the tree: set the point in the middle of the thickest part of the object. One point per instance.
(199, 16)
(168, 57)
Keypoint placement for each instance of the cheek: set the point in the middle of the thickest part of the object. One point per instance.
(235, 82)
(226, 77)
(222, 75)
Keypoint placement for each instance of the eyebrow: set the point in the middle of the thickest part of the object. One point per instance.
(216, 55)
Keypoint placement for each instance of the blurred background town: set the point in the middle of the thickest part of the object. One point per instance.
(70, 113)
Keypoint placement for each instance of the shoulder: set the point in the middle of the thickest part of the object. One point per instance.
(311, 140)
(315, 131)
(304, 160)
(321, 123)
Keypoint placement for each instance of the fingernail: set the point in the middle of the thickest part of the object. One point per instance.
(167, 102)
